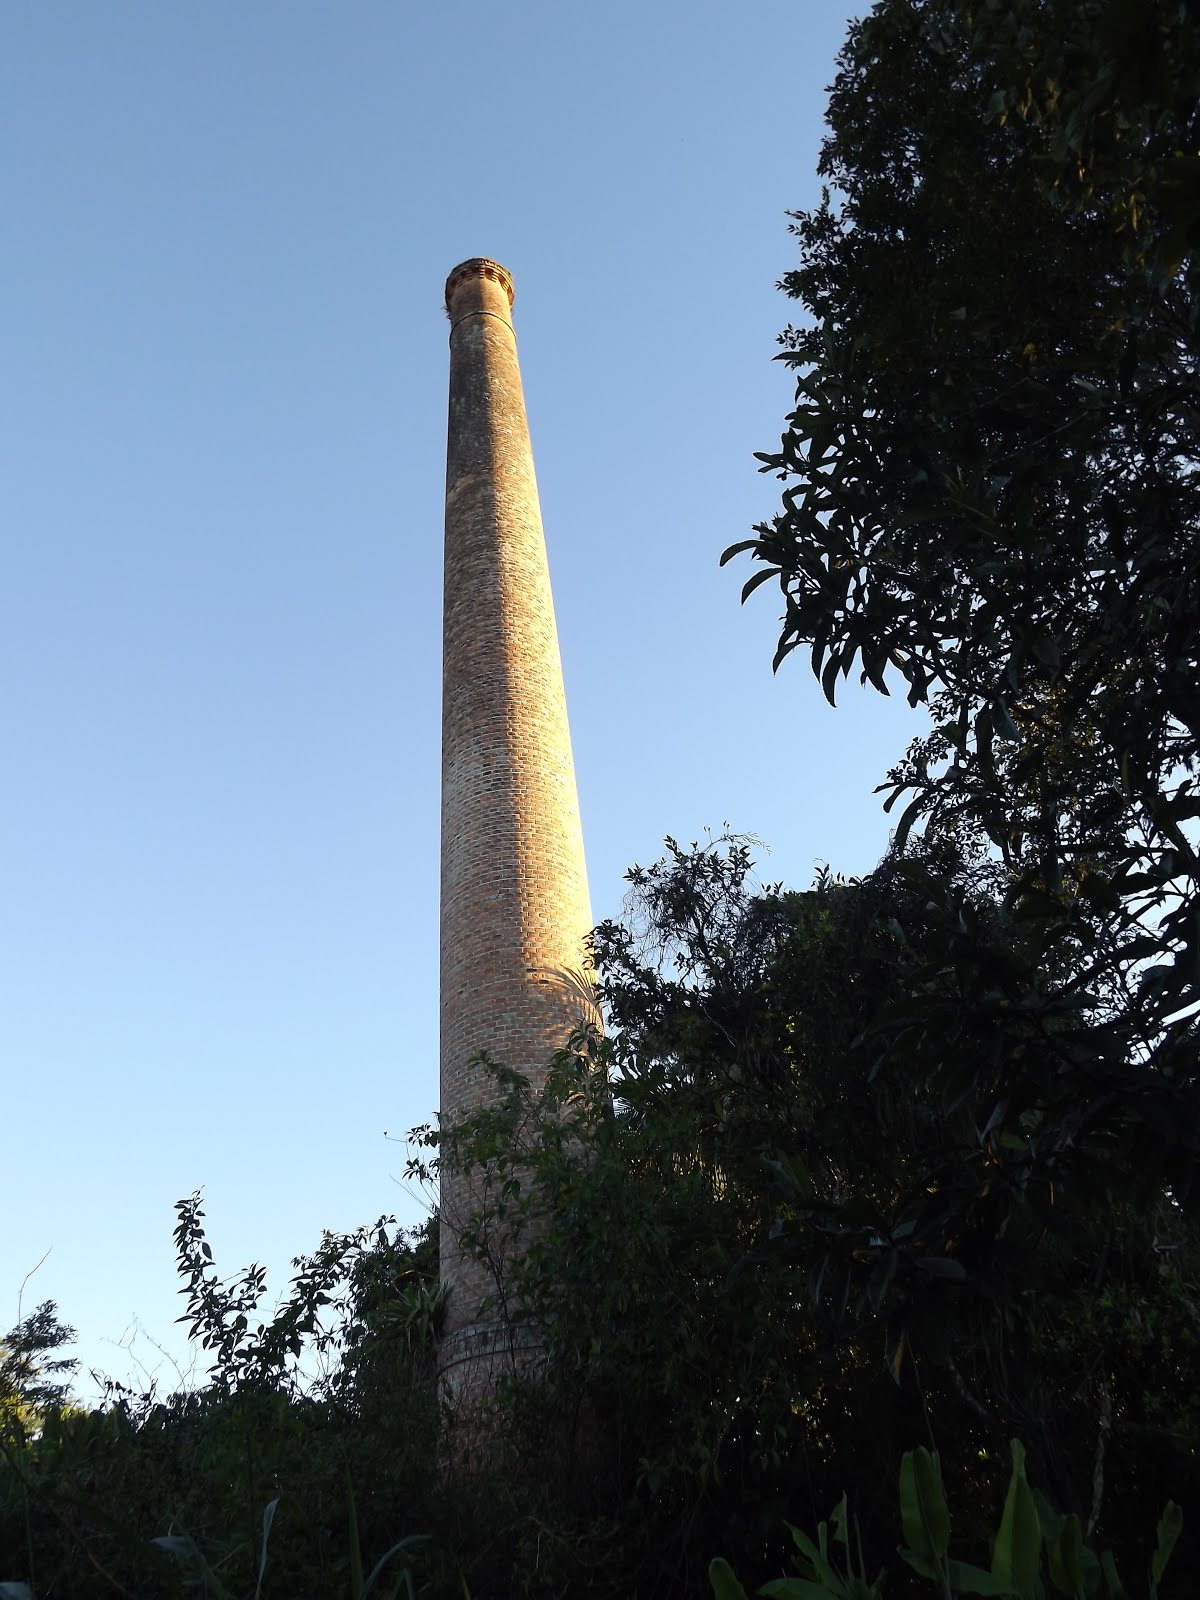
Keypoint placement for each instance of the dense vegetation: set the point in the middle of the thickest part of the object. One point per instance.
(747, 1295)
(875, 1168)
(992, 494)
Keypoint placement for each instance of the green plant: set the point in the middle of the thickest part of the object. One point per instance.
(400, 1553)
(167, 1494)
(1032, 1544)
(819, 1577)
(991, 503)
(32, 1375)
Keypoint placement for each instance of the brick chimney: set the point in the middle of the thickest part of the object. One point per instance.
(514, 912)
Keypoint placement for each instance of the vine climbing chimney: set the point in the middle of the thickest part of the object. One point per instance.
(515, 916)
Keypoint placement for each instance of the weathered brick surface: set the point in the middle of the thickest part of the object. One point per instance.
(515, 913)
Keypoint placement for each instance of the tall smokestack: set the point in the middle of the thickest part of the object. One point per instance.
(515, 914)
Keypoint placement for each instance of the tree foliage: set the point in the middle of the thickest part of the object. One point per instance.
(993, 498)
(33, 1373)
(270, 1477)
(767, 1250)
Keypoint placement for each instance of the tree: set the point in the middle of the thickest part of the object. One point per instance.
(771, 1254)
(993, 498)
(33, 1378)
(262, 1464)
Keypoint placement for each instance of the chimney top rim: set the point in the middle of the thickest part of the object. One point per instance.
(479, 267)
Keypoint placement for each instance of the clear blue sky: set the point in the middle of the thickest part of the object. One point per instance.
(226, 229)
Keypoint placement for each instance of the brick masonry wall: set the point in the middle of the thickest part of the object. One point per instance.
(515, 912)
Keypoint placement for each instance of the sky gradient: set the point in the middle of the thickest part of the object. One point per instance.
(223, 427)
